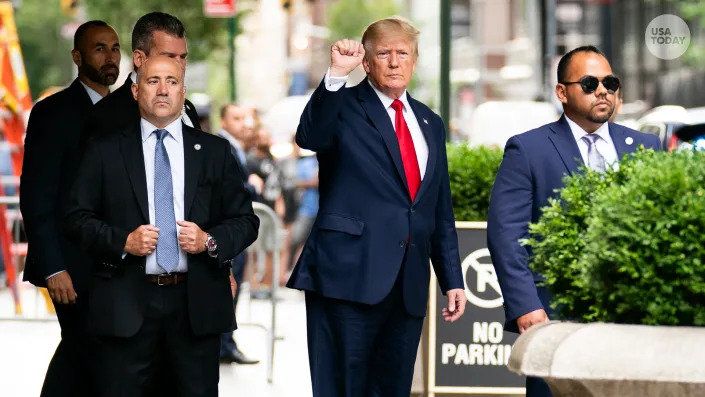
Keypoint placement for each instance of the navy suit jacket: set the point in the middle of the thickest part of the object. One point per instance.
(359, 240)
(532, 169)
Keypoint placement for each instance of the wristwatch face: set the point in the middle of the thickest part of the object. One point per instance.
(210, 244)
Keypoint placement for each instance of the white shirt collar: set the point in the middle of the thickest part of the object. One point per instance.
(578, 131)
(133, 76)
(95, 96)
(174, 128)
(229, 138)
(386, 100)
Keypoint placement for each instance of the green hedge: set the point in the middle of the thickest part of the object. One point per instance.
(472, 172)
(628, 246)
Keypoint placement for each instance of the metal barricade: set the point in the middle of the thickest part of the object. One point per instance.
(271, 235)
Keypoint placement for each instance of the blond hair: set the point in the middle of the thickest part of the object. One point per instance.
(390, 26)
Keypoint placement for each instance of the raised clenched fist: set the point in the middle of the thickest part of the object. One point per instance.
(345, 56)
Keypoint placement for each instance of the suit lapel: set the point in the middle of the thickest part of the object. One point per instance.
(193, 161)
(619, 141)
(131, 147)
(423, 119)
(380, 118)
(564, 142)
(79, 92)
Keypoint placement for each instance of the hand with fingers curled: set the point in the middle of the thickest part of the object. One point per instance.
(142, 241)
(60, 288)
(191, 238)
(456, 304)
(345, 56)
(530, 319)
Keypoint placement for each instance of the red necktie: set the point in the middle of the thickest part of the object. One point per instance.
(408, 152)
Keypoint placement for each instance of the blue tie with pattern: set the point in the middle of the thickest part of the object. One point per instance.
(167, 245)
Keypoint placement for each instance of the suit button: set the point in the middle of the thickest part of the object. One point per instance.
(402, 244)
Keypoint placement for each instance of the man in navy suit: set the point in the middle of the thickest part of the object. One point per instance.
(385, 209)
(532, 169)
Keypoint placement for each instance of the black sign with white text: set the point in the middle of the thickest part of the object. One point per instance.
(472, 353)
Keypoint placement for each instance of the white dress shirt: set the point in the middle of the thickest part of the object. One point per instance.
(335, 83)
(604, 145)
(174, 143)
(184, 116)
(93, 94)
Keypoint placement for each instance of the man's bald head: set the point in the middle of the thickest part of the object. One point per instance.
(159, 90)
(160, 59)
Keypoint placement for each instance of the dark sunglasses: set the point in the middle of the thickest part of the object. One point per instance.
(589, 84)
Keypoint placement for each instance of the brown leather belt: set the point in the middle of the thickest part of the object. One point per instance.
(166, 279)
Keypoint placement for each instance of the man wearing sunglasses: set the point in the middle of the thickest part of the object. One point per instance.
(533, 167)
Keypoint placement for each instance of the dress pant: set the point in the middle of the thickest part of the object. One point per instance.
(537, 387)
(359, 350)
(227, 343)
(69, 372)
(189, 363)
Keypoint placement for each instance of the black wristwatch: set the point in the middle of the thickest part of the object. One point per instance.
(211, 246)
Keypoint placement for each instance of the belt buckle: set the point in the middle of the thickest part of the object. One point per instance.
(165, 276)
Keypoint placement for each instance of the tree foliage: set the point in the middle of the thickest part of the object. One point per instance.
(348, 18)
(204, 35)
(47, 55)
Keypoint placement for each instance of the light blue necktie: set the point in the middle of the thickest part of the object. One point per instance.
(595, 160)
(167, 245)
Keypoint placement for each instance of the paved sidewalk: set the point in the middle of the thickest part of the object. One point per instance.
(27, 346)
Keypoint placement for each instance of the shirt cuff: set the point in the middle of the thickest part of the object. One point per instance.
(124, 254)
(334, 83)
(52, 275)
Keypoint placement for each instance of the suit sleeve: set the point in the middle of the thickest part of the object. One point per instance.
(83, 219)
(239, 226)
(39, 202)
(508, 222)
(444, 241)
(318, 124)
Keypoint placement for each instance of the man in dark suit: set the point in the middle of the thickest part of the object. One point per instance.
(234, 130)
(52, 154)
(385, 208)
(154, 34)
(533, 167)
(163, 228)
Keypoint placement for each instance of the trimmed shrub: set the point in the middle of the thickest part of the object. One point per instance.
(627, 246)
(472, 172)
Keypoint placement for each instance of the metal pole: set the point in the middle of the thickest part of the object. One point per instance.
(445, 65)
(231, 45)
(549, 49)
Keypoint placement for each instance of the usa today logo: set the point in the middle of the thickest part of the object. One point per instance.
(667, 36)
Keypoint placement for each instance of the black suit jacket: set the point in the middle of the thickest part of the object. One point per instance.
(51, 160)
(117, 111)
(109, 201)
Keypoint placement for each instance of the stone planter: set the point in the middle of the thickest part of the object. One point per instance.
(596, 360)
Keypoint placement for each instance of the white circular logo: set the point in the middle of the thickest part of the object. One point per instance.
(667, 36)
(481, 285)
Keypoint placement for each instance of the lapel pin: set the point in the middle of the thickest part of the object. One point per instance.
(629, 140)
(425, 121)
(197, 146)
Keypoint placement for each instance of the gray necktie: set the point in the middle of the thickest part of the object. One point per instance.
(167, 245)
(594, 159)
